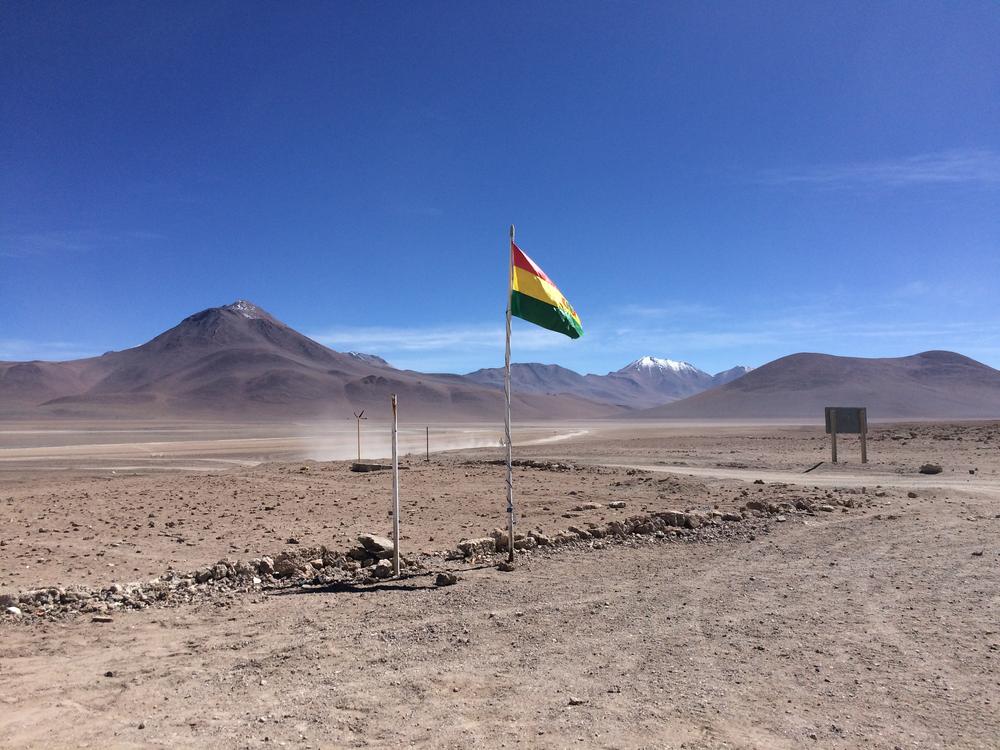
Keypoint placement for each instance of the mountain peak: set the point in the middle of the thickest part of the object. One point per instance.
(371, 359)
(659, 363)
(248, 310)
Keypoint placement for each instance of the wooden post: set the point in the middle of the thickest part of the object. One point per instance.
(864, 435)
(395, 490)
(833, 433)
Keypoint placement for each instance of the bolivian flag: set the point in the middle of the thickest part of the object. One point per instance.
(534, 298)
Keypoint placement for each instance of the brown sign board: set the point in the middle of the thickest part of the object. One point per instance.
(848, 419)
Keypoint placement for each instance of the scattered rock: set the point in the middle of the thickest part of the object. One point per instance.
(911, 495)
(446, 579)
(588, 506)
(102, 618)
(616, 504)
(473, 547)
(500, 540)
(12, 610)
(285, 565)
(540, 539)
(376, 544)
(506, 566)
(369, 467)
(576, 701)
(383, 569)
(930, 469)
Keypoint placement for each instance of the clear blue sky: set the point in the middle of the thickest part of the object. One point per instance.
(717, 182)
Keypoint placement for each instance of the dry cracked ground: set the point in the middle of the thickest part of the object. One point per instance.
(873, 626)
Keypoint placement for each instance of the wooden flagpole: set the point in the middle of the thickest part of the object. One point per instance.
(506, 389)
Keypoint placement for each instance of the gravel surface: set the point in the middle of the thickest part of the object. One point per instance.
(825, 616)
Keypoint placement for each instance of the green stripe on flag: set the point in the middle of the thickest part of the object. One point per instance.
(544, 315)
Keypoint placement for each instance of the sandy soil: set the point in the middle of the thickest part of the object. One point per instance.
(871, 627)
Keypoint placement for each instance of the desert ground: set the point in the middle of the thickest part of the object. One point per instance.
(848, 606)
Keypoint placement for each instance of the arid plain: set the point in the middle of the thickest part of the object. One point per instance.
(850, 606)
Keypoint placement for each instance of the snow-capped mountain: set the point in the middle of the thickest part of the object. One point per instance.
(665, 379)
(645, 382)
(651, 364)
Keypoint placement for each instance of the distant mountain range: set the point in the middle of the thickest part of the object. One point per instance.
(929, 385)
(238, 362)
(646, 382)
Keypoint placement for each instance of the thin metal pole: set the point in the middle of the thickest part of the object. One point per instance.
(506, 389)
(395, 491)
(427, 434)
(359, 439)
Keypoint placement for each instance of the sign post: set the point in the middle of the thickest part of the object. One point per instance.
(847, 420)
(833, 433)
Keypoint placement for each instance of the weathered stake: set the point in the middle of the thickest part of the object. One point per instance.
(395, 490)
(359, 416)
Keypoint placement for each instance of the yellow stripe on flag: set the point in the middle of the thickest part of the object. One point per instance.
(527, 283)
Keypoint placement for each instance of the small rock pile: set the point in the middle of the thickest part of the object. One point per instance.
(371, 560)
(367, 563)
(528, 463)
(691, 525)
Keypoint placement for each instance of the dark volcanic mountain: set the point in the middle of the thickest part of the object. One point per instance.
(930, 385)
(648, 381)
(240, 362)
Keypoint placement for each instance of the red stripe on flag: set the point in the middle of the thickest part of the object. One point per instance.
(523, 261)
